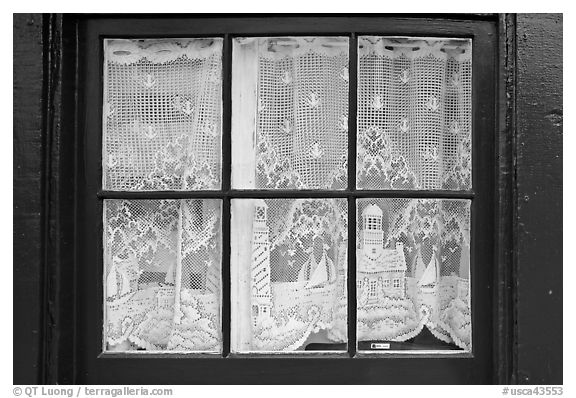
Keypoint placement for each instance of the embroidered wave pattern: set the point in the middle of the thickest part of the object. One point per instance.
(162, 275)
(413, 267)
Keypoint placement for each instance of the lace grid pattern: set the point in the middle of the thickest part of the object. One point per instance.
(162, 275)
(301, 113)
(413, 269)
(162, 114)
(414, 113)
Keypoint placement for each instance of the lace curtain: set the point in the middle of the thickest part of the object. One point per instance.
(162, 121)
(162, 131)
(162, 114)
(414, 113)
(290, 113)
(162, 275)
(288, 267)
(413, 268)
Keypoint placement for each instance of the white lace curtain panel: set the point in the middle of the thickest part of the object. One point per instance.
(162, 131)
(414, 114)
(163, 275)
(162, 114)
(290, 113)
(413, 264)
(289, 266)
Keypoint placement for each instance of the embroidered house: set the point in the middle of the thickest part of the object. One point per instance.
(381, 272)
(165, 297)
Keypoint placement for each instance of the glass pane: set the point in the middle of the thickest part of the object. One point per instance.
(413, 274)
(290, 113)
(288, 271)
(162, 279)
(414, 113)
(162, 114)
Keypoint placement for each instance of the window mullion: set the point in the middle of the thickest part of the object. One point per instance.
(352, 108)
(255, 193)
(226, 176)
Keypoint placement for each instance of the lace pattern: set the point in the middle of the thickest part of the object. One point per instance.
(162, 279)
(414, 113)
(291, 263)
(299, 114)
(162, 114)
(413, 267)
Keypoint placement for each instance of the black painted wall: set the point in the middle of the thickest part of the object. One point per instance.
(538, 228)
(539, 202)
(27, 190)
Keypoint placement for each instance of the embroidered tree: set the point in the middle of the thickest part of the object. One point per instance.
(141, 229)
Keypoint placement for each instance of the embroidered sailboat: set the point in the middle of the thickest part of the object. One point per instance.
(112, 281)
(307, 269)
(125, 284)
(118, 280)
(429, 280)
(418, 265)
(323, 274)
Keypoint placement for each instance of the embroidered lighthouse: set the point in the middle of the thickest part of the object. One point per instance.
(260, 272)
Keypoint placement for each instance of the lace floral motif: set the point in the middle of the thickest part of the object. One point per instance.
(461, 173)
(377, 162)
(175, 166)
(273, 171)
(162, 275)
(413, 269)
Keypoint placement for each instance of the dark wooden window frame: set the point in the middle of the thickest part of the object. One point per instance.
(74, 283)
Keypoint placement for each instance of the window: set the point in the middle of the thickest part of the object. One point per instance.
(235, 204)
(162, 131)
(373, 288)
